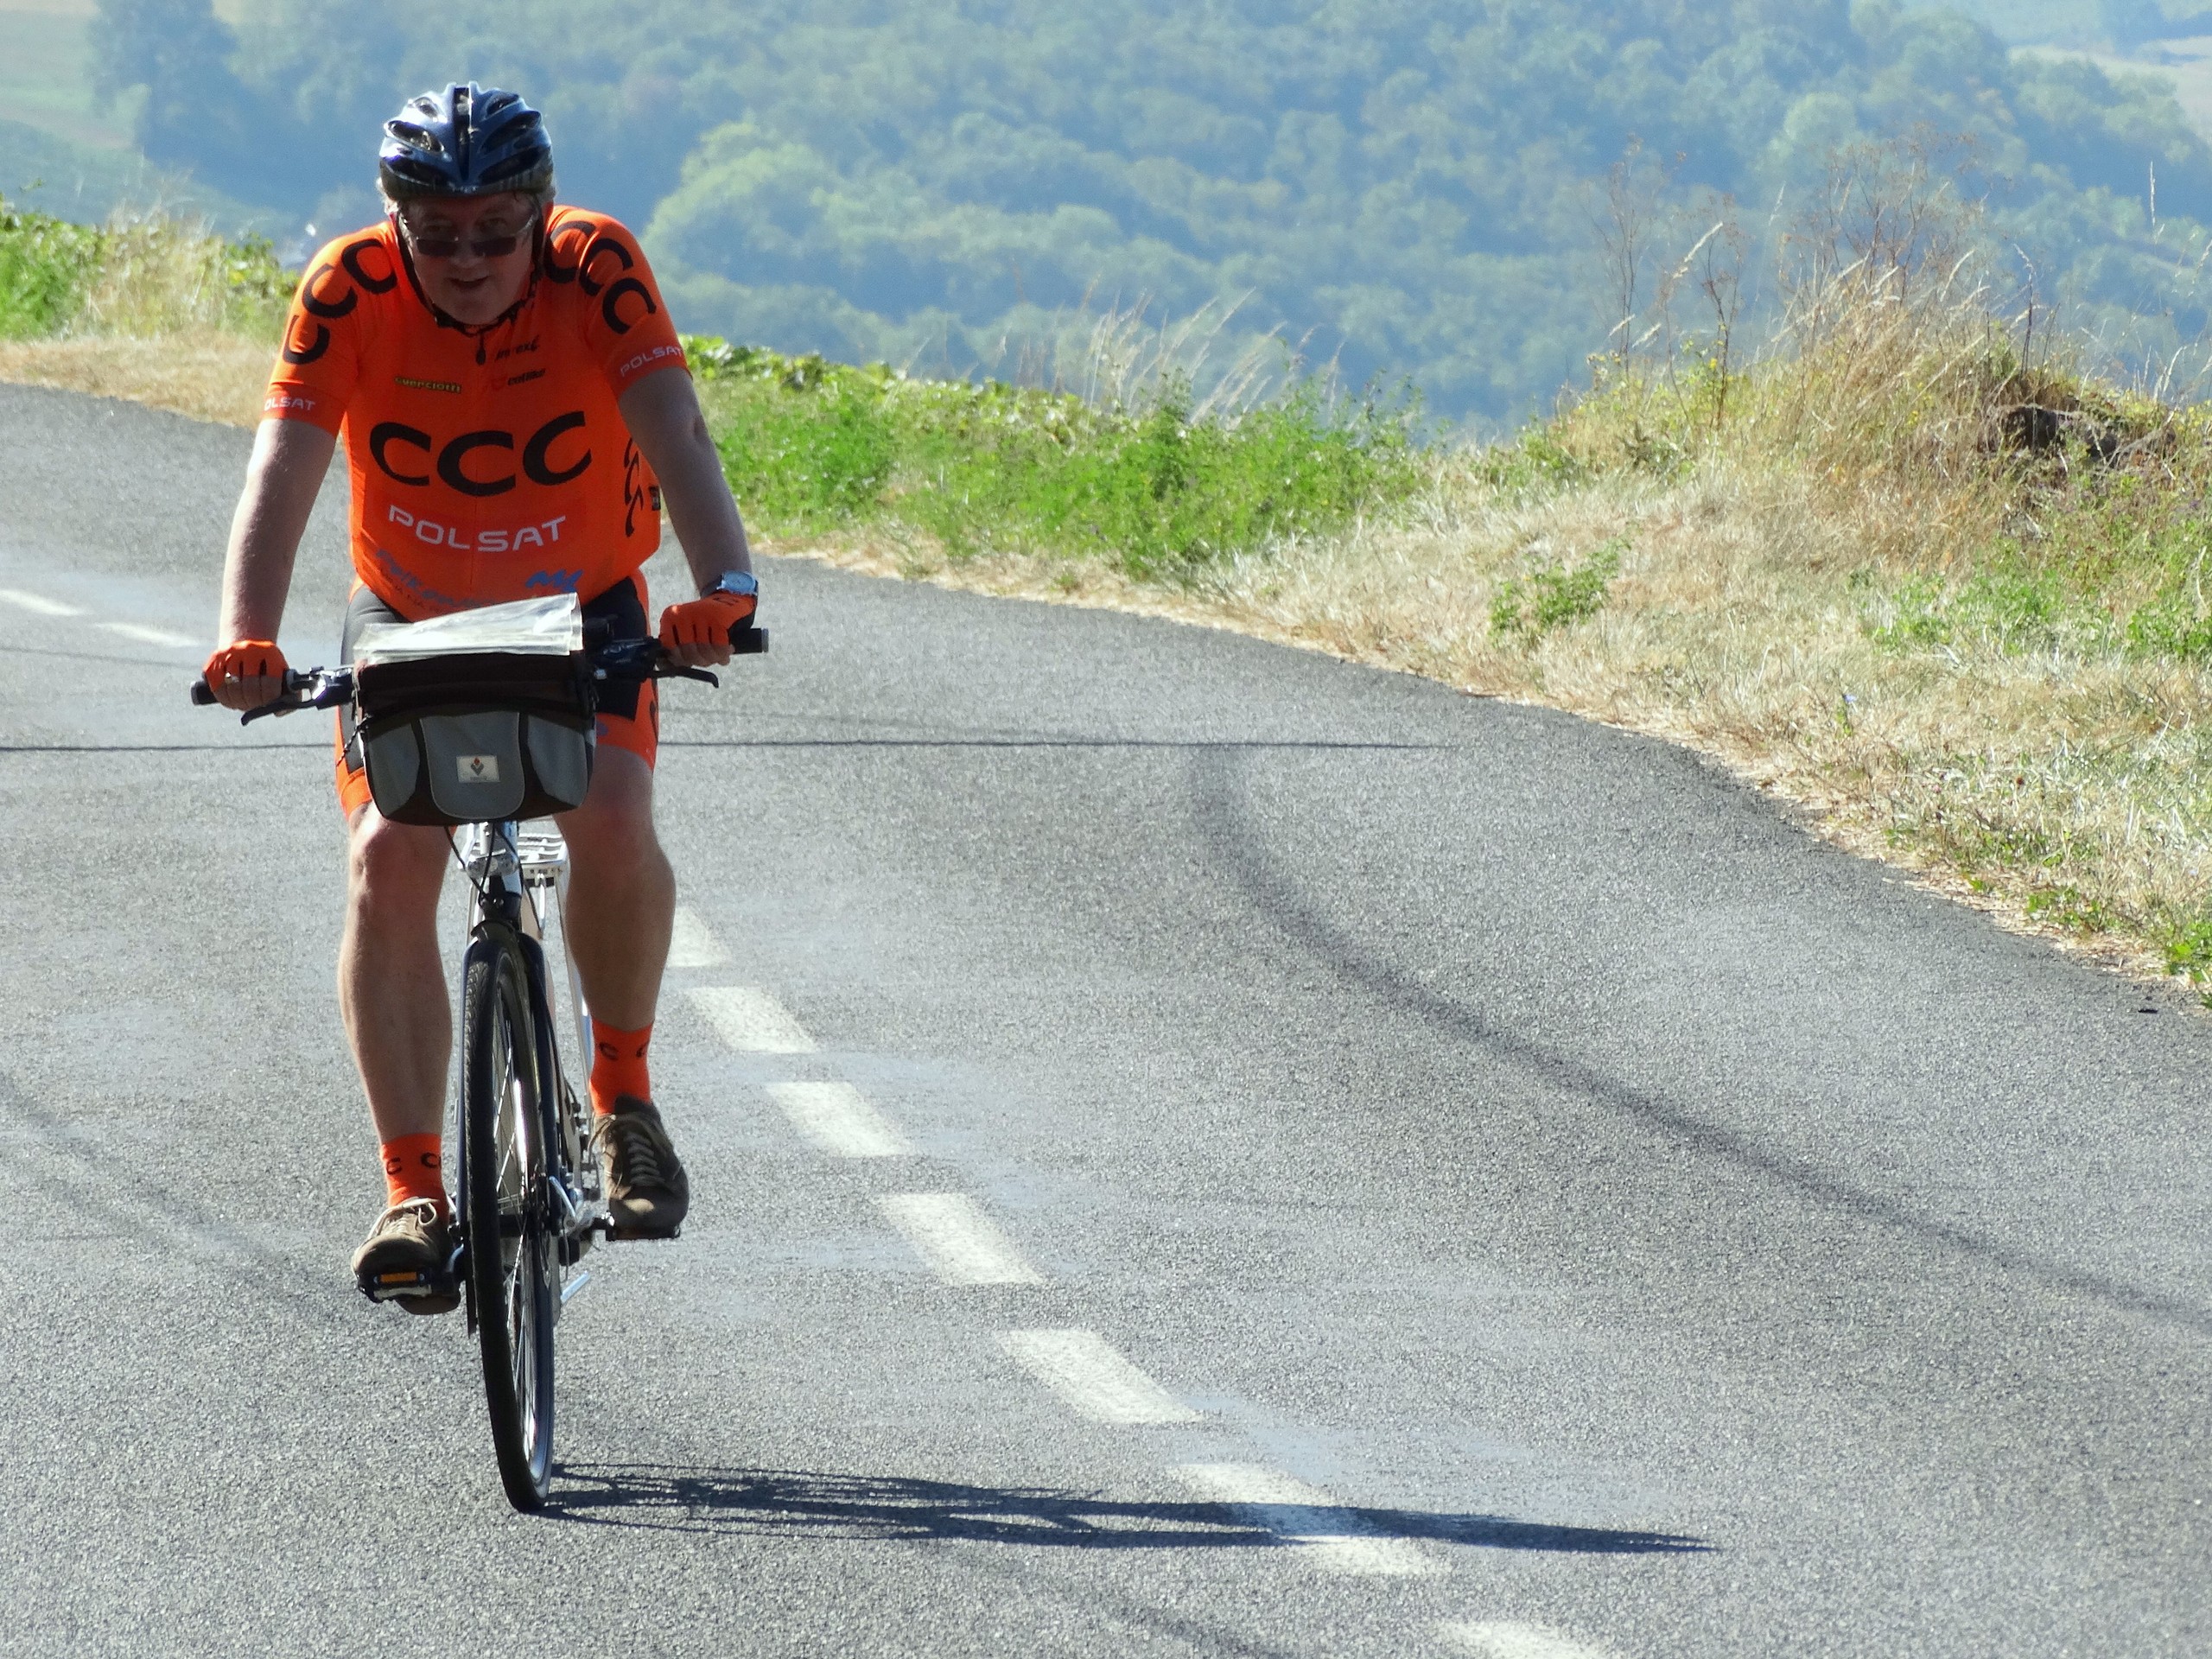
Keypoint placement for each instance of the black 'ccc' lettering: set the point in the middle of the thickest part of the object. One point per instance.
(302, 355)
(537, 455)
(534, 460)
(453, 455)
(316, 306)
(351, 258)
(600, 244)
(609, 307)
(390, 432)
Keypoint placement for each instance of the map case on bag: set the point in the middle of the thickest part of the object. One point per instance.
(483, 714)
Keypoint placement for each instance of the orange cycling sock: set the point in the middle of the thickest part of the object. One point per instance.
(414, 1168)
(618, 1065)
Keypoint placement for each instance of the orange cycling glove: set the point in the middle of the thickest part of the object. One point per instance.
(707, 621)
(246, 659)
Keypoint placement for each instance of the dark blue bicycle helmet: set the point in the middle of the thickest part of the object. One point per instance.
(466, 141)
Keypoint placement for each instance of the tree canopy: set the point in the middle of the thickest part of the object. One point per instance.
(1408, 189)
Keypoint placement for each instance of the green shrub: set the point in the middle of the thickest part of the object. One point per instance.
(2171, 625)
(1552, 596)
(47, 267)
(2010, 608)
(2189, 950)
(809, 463)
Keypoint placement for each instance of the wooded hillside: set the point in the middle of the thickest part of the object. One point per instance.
(1412, 189)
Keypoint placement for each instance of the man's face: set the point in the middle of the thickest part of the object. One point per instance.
(444, 234)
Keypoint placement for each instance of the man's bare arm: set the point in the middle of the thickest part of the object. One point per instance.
(663, 414)
(282, 480)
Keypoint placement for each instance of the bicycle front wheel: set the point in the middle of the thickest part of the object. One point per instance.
(509, 1235)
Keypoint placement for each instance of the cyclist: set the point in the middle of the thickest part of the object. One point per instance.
(514, 407)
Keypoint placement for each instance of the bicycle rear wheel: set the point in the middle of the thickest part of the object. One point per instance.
(508, 1233)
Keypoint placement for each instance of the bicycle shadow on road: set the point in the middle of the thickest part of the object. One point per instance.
(793, 1504)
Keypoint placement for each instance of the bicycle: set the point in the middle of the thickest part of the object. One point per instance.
(529, 1201)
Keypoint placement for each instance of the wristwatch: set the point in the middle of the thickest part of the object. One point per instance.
(741, 582)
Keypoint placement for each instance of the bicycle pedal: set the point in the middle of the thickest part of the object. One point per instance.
(405, 1286)
(639, 1235)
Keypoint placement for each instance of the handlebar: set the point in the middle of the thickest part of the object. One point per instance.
(632, 659)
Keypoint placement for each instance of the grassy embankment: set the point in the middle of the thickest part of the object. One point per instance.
(1953, 600)
(146, 307)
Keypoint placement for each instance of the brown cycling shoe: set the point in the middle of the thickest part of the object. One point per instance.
(647, 1193)
(408, 1259)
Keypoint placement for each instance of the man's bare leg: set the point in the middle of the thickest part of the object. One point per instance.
(391, 981)
(392, 988)
(621, 905)
(622, 892)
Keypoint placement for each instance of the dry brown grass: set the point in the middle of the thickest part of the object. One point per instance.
(1732, 629)
(208, 374)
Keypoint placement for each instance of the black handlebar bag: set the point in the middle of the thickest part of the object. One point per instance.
(451, 734)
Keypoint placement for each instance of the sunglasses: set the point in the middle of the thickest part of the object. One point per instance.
(484, 247)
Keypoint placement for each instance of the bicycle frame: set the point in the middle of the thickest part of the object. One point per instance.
(519, 880)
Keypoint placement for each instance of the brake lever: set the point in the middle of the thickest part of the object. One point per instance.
(671, 671)
(304, 690)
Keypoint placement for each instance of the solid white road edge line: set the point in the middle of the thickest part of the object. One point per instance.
(1491, 1639)
(144, 636)
(962, 1245)
(38, 604)
(1090, 1375)
(835, 1119)
(750, 1020)
(691, 945)
(1307, 1517)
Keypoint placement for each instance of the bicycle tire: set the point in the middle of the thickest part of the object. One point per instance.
(504, 1224)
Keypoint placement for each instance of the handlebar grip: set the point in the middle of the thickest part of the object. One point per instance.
(748, 641)
(202, 693)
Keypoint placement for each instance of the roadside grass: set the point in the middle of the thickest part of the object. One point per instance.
(1156, 486)
(143, 276)
(1949, 596)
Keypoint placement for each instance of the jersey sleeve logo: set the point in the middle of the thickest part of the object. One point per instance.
(299, 355)
(354, 259)
(599, 267)
(319, 297)
(570, 239)
(314, 305)
(609, 307)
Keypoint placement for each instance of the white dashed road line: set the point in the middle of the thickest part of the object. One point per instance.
(1492, 1640)
(37, 604)
(145, 636)
(1090, 1375)
(962, 1245)
(692, 945)
(750, 1020)
(834, 1117)
(1323, 1530)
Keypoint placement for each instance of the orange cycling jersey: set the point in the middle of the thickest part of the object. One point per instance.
(487, 464)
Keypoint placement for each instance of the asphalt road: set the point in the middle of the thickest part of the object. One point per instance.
(1484, 1184)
